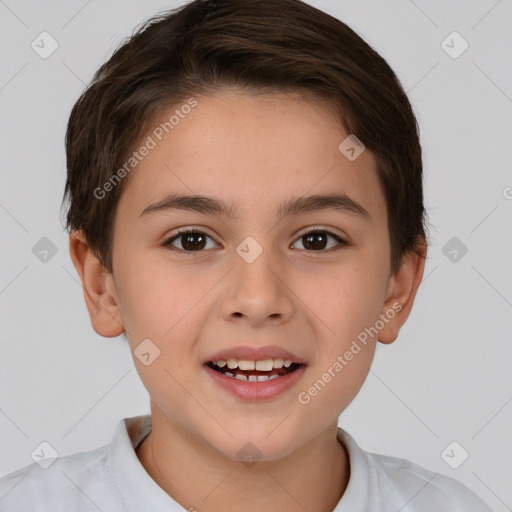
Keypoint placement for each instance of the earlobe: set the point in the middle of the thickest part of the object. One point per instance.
(98, 286)
(401, 293)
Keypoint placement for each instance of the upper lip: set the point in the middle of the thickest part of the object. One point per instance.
(255, 354)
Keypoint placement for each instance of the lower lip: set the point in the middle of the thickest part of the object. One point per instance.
(256, 391)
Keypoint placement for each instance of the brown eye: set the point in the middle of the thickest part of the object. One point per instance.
(318, 240)
(190, 241)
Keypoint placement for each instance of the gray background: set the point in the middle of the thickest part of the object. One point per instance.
(447, 378)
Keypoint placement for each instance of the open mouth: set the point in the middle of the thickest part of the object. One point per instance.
(254, 371)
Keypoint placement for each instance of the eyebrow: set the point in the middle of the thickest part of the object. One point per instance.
(293, 206)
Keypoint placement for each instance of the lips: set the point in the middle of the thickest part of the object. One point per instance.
(253, 373)
(252, 353)
(251, 386)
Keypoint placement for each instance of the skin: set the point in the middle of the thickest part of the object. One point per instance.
(256, 151)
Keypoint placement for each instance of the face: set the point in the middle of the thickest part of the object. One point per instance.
(300, 286)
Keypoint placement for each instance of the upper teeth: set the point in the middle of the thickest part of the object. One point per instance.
(264, 365)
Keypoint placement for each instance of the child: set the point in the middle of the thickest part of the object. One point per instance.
(271, 138)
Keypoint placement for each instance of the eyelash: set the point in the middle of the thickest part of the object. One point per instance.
(168, 243)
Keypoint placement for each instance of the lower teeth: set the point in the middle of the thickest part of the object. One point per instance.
(251, 378)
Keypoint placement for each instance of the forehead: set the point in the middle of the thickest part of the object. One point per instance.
(252, 151)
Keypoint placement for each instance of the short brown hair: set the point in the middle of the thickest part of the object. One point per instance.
(269, 46)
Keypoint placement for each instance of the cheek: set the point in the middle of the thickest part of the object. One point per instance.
(344, 305)
(162, 306)
(165, 304)
(345, 299)
(152, 299)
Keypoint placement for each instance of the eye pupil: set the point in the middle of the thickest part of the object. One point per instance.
(196, 241)
(313, 238)
(198, 244)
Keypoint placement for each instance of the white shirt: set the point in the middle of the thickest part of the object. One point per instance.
(112, 479)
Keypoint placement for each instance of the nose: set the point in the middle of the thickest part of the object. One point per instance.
(257, 292)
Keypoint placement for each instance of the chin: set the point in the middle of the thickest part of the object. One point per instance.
(256, 446)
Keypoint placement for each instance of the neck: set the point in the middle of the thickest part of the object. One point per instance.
(313, 477)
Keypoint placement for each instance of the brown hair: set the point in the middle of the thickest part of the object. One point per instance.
(269, 46)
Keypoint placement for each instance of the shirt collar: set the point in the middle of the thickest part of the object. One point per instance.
(136, 486)
(358, 493)
(139, 489)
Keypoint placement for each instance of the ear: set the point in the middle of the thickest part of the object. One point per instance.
(99, 288)
(401, 292)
